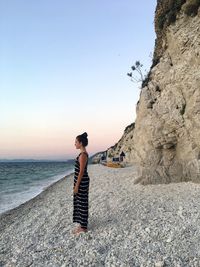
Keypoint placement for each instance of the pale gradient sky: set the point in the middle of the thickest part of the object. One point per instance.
(63, 71)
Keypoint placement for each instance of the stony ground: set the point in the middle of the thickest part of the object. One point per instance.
(129, 225)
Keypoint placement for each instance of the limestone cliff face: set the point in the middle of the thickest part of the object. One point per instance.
(166, 137)
(124, 144)
(167, 128)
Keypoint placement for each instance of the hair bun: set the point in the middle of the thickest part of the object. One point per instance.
(85, 134)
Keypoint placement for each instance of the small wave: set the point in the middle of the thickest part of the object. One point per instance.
(16, 190)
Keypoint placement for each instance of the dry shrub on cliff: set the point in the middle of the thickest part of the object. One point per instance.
(191, 7)
(143, 78)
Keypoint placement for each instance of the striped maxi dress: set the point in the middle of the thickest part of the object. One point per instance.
(80, 199)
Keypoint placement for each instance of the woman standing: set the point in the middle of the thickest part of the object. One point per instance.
(81, 185)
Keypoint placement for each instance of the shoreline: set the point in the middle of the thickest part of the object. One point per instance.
(44, 187)
(129, 224)
(27, 204)
(27, 186)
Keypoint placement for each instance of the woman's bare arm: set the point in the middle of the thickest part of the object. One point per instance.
(82, 161)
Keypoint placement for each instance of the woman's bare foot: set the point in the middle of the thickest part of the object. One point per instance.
(80, 229)
(76, 229)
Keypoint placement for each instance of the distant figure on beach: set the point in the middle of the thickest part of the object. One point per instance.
(81, 185)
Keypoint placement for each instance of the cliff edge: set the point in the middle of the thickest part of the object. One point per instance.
(165, 139)
(167, 128)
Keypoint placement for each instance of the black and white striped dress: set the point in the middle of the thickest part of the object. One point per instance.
(80, 199)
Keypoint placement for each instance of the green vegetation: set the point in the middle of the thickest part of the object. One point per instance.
(130, 127)
(155, 62)
(191, 7)
(110, 155)
(146, 80)
(169, 15)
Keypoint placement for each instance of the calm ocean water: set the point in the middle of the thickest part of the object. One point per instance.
(21, 181)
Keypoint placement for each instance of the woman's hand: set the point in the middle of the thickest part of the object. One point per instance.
(76, 189)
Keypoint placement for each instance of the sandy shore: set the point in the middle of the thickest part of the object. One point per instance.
(129, 225)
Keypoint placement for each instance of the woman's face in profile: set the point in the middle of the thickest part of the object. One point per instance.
(77, 144)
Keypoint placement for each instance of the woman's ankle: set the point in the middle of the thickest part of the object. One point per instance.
(84, 229)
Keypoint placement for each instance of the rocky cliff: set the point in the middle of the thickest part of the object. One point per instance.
(166, 136)
(124, 144)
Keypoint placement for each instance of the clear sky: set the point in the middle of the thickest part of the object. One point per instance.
(63, 71)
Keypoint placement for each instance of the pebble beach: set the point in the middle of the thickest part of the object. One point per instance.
(129, 224)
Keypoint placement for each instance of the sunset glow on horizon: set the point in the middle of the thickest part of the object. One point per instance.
(63, 71)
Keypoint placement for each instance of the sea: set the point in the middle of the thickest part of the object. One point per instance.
(21, 181)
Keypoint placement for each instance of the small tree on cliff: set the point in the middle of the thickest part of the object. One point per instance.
(140, 76)
(137, 67)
